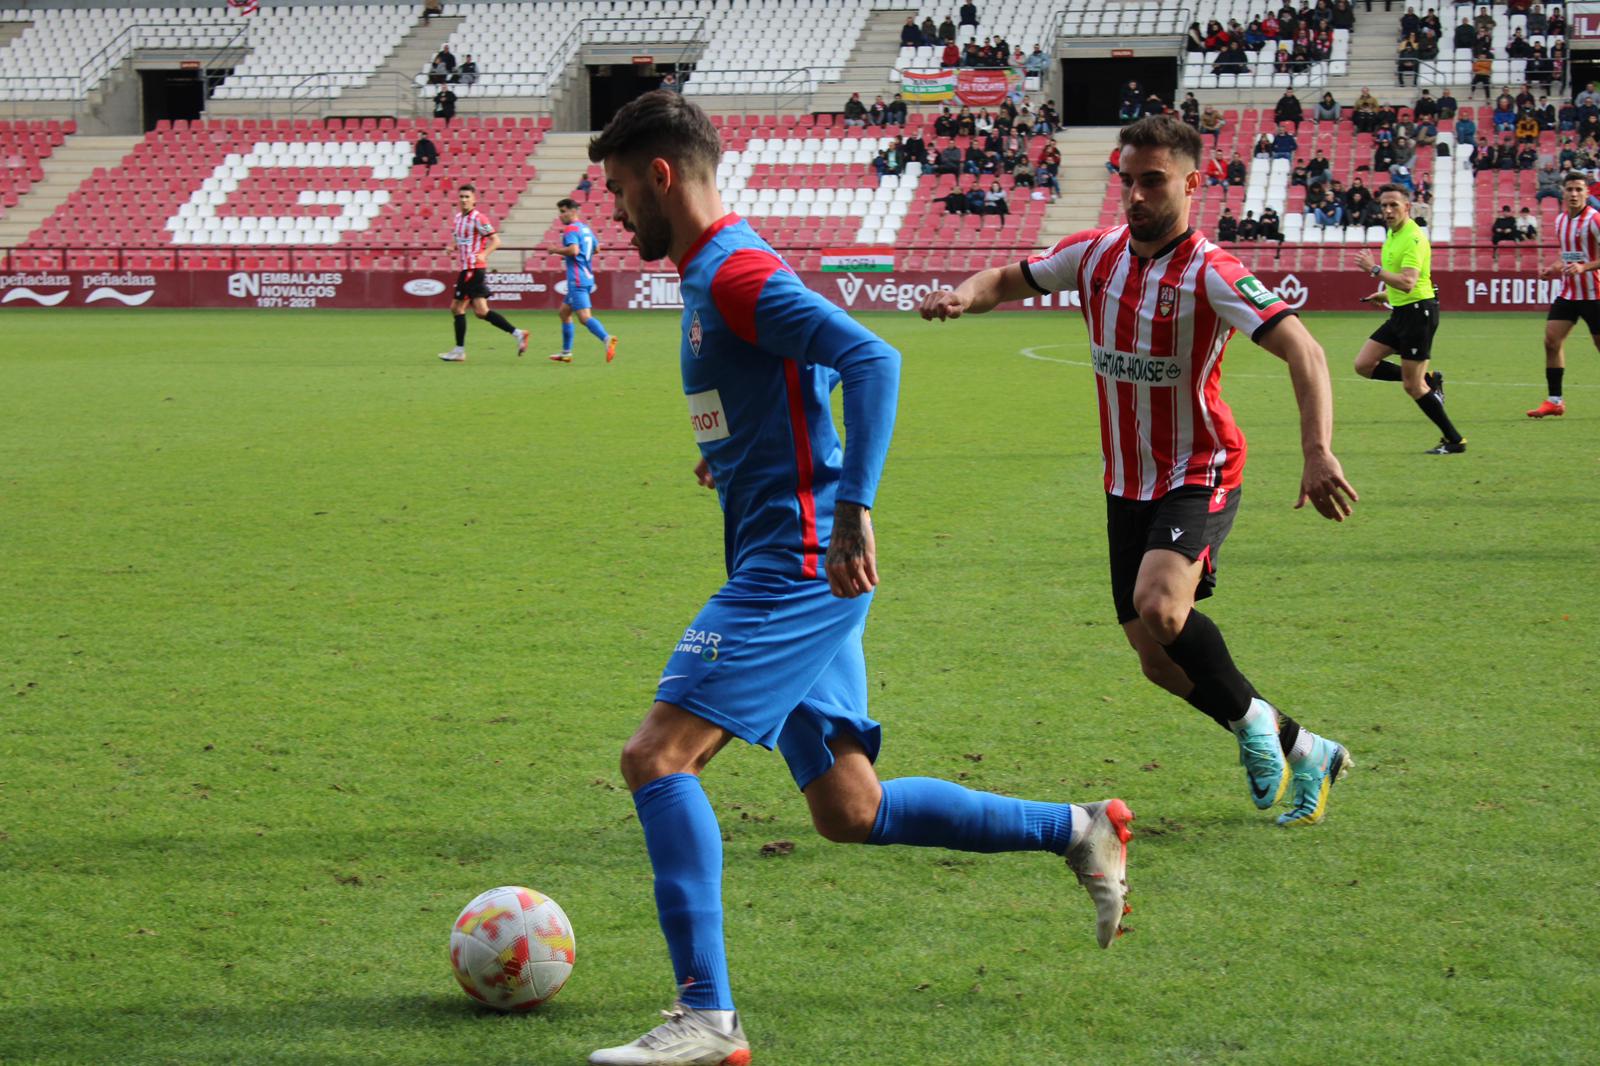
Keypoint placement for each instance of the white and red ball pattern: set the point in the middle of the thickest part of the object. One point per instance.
(512, 948)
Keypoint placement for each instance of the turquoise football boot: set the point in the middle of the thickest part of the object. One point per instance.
(1263, 759)
(1313, 777)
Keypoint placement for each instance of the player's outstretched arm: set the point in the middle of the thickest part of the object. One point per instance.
(1322, 479)
(980, 293)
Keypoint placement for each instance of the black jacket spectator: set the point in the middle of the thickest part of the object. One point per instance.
(1269, 228)
(969, 14)
(1505, 227)
(1249, 228)
(1227, 227)
(949, 161)
(1425, 107)
(947, 30)
(444, 105)
(910, 34)
(1236, 170)
(1289, 109)
(915, 150)
(1344, 15)
(1466, 34)
(897, 111)
(426, 154)
(1382, 157)
(1410, 23)
(945, 124)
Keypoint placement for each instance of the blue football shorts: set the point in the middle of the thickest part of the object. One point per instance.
(777, 661)
(578, 298)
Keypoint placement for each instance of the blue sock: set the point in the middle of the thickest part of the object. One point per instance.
(597, 329)
(685, 845)
(567, 333)
(928, 813)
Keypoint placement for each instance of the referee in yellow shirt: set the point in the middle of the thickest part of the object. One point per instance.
(1407, 290)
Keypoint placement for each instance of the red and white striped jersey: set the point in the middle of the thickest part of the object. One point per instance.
(1579, 239)
(1157, 329)
(472, 232)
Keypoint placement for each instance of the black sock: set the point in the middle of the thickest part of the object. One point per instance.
(461, 331)
(1288, 728)
(1220, 690)
(1433, 407)
(494, 318)
(1552, 378)
(1386, 371)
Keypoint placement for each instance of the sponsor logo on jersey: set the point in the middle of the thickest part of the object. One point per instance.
(1136, 369)
(1257, 293)
(707, 417)
(701, 642)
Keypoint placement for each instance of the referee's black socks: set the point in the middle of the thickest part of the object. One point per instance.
(1432, 405)
(1386, 371)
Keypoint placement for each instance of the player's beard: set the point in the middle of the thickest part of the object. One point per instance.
(1153, 226)
(651, 230)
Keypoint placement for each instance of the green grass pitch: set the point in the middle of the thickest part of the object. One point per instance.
(307, 638)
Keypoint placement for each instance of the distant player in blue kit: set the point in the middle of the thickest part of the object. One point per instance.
(775, 657)
(577, 247)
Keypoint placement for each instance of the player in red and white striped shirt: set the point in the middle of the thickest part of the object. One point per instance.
(1161, 302)
(1578, 237)
(472, 240)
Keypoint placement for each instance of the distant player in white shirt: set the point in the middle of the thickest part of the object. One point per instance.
(1578, 238)
(473, 240)
(1161, 302)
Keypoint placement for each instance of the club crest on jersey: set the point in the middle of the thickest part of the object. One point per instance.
(1166, 299)
(696, 334)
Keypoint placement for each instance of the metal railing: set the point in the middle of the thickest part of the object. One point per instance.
(73, 90)
(1524, 257)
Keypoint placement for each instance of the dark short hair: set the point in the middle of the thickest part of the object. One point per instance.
(566, 203)
(660, 124)
(1576, 175)
(1392, 187)
(468, 187)
(1162, 131)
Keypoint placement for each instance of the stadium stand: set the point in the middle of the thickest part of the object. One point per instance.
(752, 46)
(807, 183)
(24, 146)
(285, 192)
(66, 52)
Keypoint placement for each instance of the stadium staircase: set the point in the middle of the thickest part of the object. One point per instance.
(865, 70)
(10, 31)
(1083, 181)
(561, 159)
(415, 53)
(1373, 48)
(68, 167)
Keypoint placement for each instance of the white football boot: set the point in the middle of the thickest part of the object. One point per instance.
(1100, 860)
(454, 355)
(688, 1037)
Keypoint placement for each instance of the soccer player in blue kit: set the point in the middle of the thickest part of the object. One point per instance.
(577, 247)
(775, 657)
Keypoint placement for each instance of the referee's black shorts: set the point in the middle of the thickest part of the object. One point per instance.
(472, 284)
(1409, 329)
(1585, 311)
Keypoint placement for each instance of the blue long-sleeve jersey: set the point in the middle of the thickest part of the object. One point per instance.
(580, 267)
(760, 355)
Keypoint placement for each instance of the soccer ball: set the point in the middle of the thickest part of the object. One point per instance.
(512, 948)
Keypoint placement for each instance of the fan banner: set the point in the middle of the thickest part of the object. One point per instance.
(866, 259)
(985, 87)
(927, 87)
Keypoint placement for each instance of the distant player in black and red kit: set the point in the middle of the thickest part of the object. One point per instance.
(473, 240)
(1161, 303)
(1578, 237)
